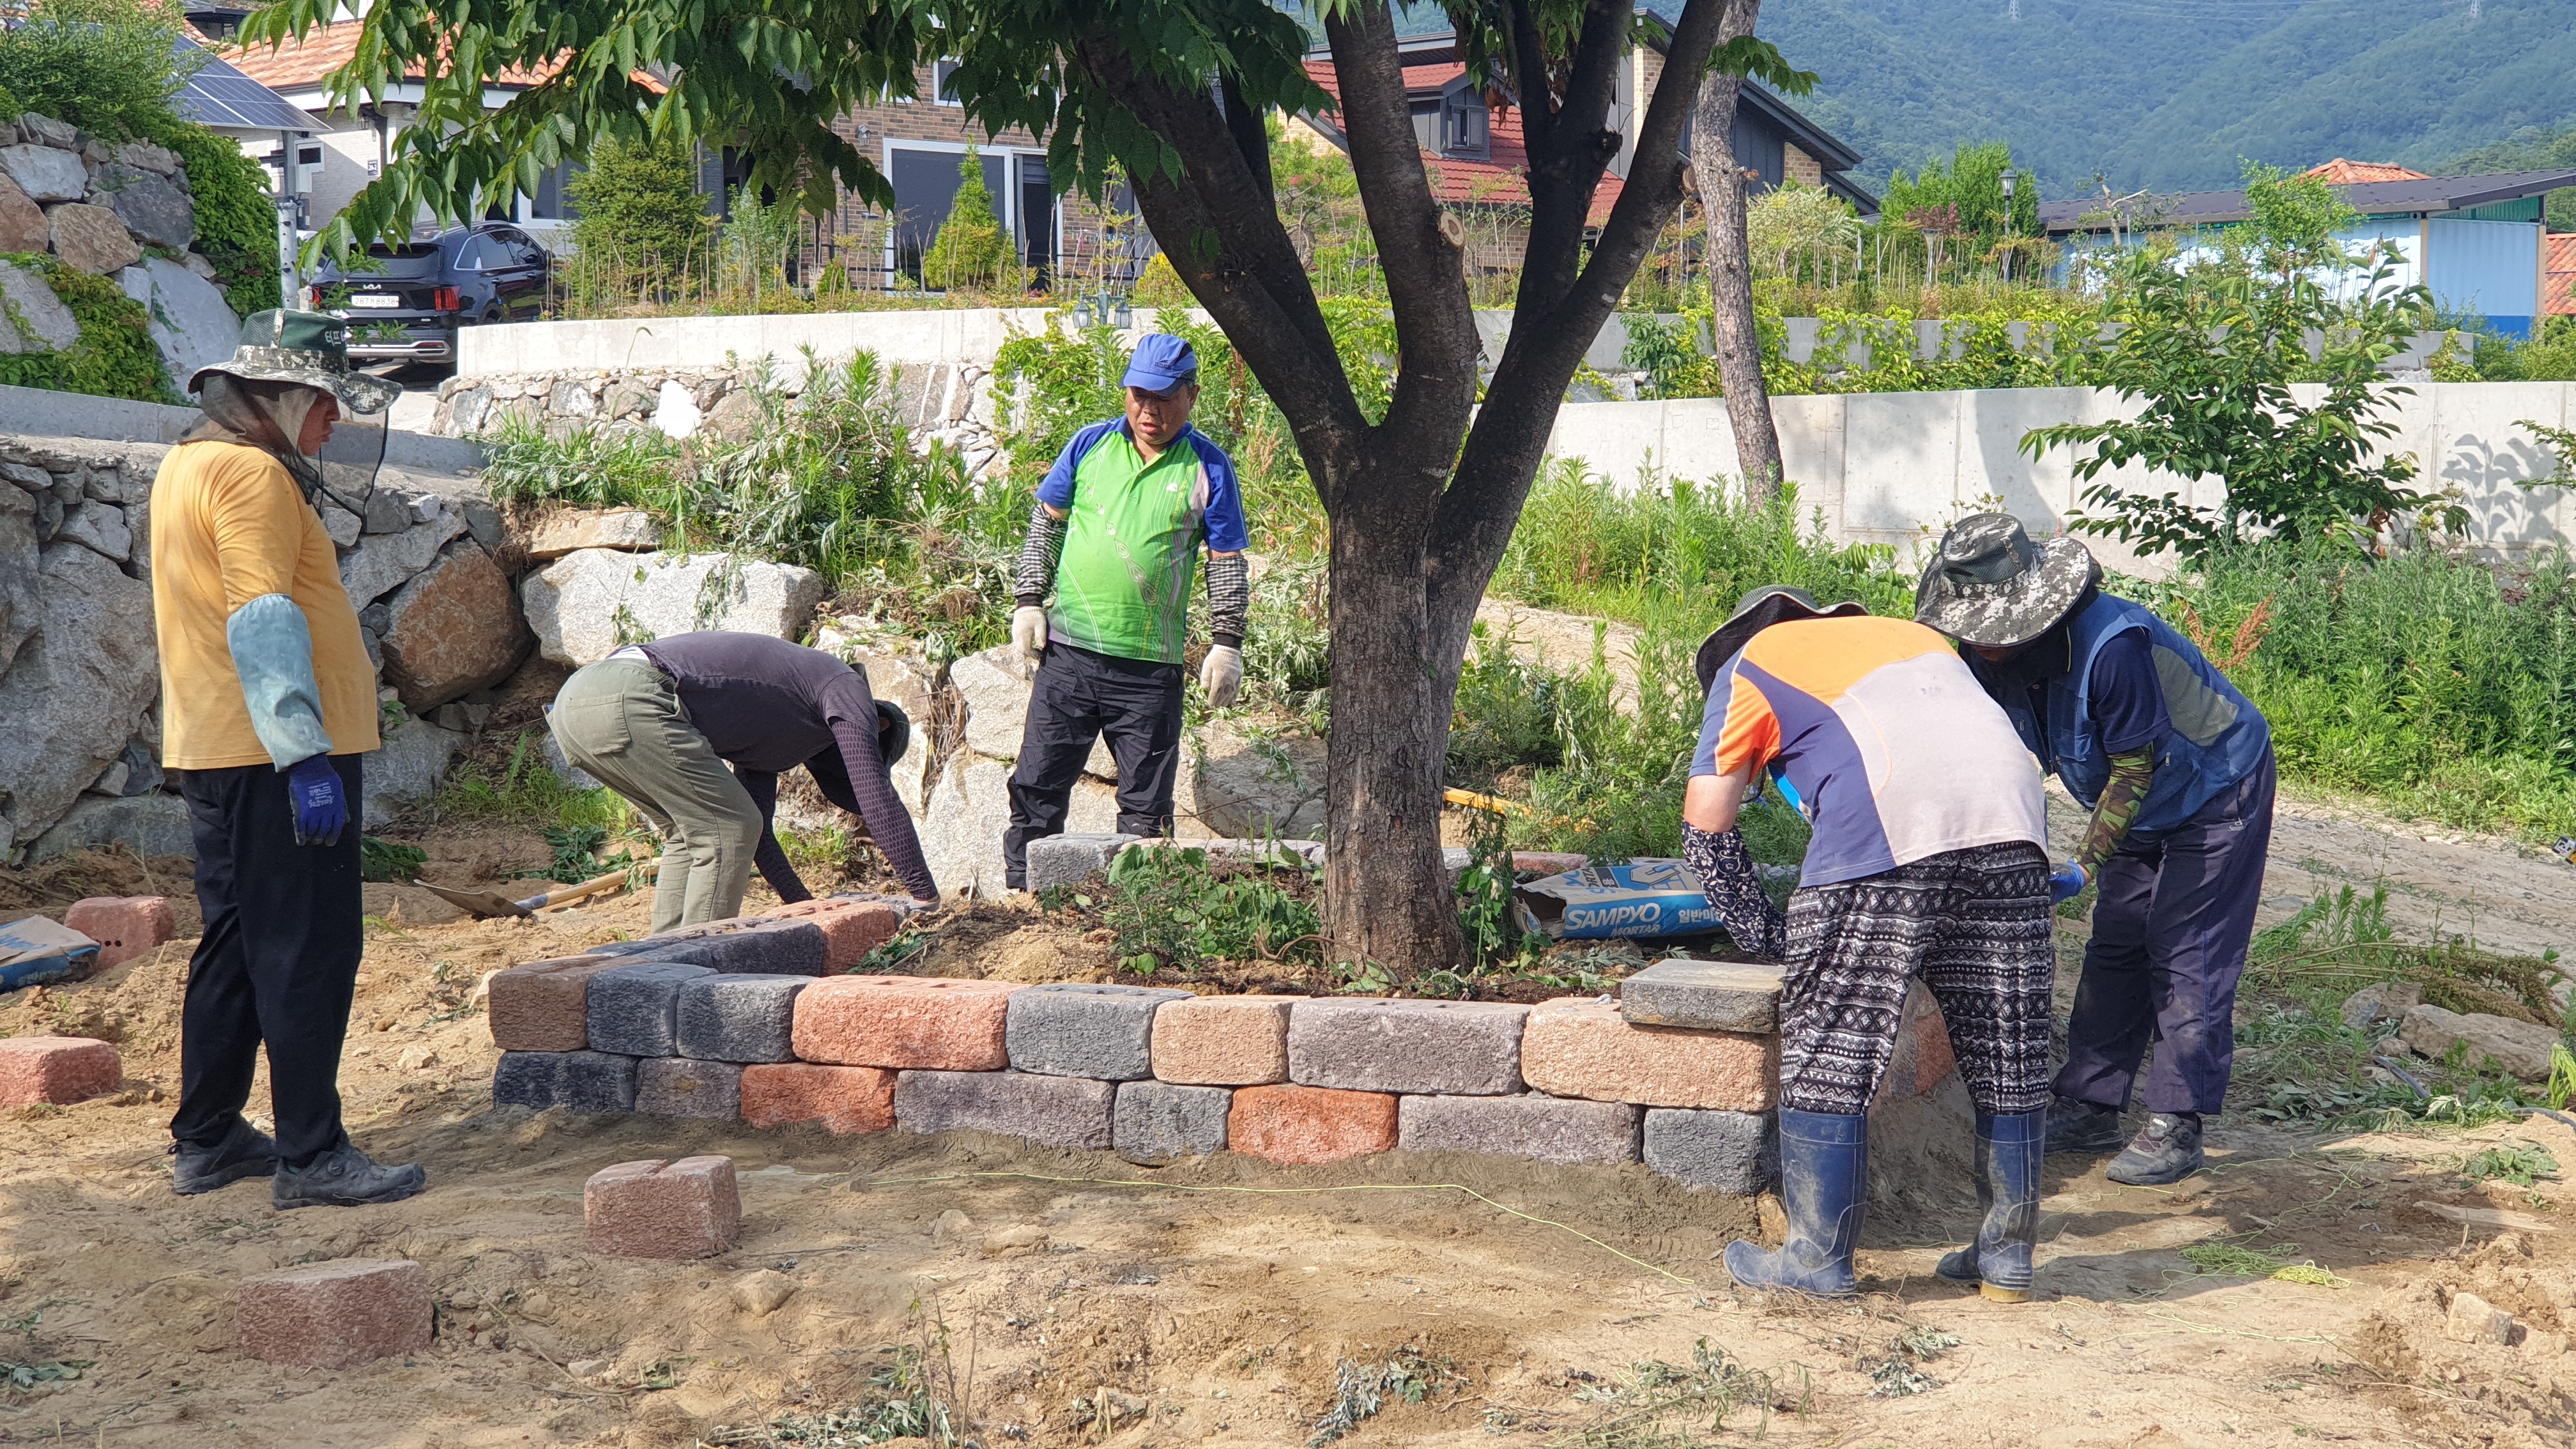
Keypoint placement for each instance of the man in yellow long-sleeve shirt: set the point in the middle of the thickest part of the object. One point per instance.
(269, 702)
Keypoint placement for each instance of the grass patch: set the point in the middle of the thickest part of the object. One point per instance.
(523, 790)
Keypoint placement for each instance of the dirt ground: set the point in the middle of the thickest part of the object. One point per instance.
(1061, 1298)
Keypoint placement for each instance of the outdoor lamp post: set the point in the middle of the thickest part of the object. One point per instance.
(2009, 179)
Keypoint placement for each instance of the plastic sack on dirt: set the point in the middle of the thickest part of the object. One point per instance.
(36, 950)
(1649, 896)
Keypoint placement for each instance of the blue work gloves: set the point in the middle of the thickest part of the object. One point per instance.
(2066, 884)
(321, 806)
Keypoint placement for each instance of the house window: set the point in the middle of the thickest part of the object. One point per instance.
(942, 75)
(1464, 125)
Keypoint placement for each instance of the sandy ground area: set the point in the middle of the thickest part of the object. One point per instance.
(1059, 1298)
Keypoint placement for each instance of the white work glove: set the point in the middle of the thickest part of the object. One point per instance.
(1221, 675)
(1029, 629)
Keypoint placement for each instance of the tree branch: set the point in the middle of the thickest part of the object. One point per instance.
(1548, 340)
(1419, 247)
(1248, 125)
(1567, 163)
(1250, 280)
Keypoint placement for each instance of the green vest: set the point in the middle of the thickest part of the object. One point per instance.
(1131, 550)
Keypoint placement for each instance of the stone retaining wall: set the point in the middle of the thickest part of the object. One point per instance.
(746, 1027)
(125, 211)
(80, 679)
(948, 403)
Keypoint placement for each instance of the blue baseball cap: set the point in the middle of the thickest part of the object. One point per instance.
(1160, 363)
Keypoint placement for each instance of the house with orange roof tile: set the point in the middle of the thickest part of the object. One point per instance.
(344, 151)
(1473, 148)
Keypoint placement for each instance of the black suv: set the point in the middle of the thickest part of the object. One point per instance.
(409, 302)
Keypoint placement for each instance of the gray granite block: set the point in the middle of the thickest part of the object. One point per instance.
(744, 945)
(1551, 1129)
(739, 1018)
(634, 1010)
(1156, 1122)
(680, 1087)
(1102, 1032)
(596, 1082)
(1456, 1048)
(527, 1079)
(1707, 995)
(1063, 860)
(1733, 1152)
(1053, 1111)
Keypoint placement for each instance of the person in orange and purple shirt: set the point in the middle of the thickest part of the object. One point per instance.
(1929, 857)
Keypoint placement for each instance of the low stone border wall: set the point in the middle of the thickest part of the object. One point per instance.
(737, 1021)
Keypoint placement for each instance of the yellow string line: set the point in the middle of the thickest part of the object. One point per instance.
(1290, 1191)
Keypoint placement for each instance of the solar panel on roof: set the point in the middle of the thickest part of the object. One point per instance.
(223, 97)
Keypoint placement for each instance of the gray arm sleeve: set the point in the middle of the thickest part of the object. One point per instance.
(1229, 598)
(1037, 557)
(273, 653)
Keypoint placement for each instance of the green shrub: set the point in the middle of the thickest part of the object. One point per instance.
(106, 66)
(114, 357)
(971, 249)
(640, 206)
(1173, 908)
(236, 219)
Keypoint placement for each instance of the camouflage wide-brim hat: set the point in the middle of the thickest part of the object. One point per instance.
(305, 347)
(1759, 610)
(1990, 583)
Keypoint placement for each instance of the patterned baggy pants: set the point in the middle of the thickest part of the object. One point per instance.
(1975, 924)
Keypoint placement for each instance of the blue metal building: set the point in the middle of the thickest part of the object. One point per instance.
(2473, 241)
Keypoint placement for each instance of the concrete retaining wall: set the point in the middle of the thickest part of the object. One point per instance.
(1894, 467)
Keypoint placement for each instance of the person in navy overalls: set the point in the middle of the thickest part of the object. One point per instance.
(2176, 766)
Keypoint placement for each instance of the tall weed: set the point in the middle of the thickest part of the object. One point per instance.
(1679, 553)
(2444, 685)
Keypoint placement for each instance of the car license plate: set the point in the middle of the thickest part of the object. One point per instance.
(364, 299)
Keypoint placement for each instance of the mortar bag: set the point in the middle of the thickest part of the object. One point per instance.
(1649, 896)
(36, 950)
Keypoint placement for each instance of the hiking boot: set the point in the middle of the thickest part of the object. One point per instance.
(2167, 1151)
(1998, 1259)
(245, 1152)
(344, 1177)
(2082, 1127)
(1824, 1159)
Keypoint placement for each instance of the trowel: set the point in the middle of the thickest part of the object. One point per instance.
(493, 903)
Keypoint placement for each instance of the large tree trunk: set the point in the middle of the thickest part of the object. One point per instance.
(1730, 269)
(1388, 748)
(1421, 504)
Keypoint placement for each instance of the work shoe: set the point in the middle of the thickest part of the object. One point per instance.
(245, 1152)
(344, 1177)
(2082, 1127)
(2167, 1151)
(1824, 1159)
(1998, 1259)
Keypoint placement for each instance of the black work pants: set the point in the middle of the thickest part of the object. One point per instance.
(277, 965)
(1077, 697)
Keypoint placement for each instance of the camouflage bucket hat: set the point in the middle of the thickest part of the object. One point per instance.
(303, 347)
(1988, 583)
(1759, 610)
